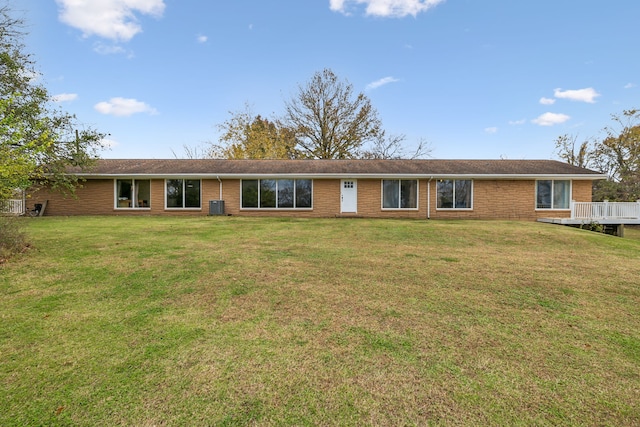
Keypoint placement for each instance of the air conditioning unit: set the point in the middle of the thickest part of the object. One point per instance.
(216, 207)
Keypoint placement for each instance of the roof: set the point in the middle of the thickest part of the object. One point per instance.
(430, 168)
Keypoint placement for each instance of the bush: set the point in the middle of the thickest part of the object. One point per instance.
(12, 237)
(594, 226)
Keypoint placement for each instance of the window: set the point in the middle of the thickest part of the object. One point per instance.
(133, 193)
(276, 194)
(454, 193)
(399, 194)
(182, 193)
(552, 194)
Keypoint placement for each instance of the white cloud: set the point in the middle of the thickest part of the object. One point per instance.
(386, 8)
(492, 129)
(111, 19)
(547, 101)
(123, 107)
(107, 49)
(202, 39)
(583, 95)
(381, 82)
(64, 97)
(629, 85)
(550, 119)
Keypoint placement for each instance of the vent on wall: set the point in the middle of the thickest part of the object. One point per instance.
(216, 207)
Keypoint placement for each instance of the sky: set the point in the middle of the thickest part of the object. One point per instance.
(476, 79)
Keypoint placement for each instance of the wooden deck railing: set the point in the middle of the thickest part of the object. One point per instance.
(605, 210)
(12, 207)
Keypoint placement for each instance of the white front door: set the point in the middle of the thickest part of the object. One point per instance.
(349, 195)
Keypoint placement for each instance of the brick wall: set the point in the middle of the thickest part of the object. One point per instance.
(95, 197)
(508, 199)
(492, 199)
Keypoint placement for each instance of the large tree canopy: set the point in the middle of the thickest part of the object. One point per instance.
(329, 120)
(245, 136)
(324, 120)
(37, 141)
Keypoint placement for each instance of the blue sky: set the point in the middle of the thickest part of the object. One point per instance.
(478, 79)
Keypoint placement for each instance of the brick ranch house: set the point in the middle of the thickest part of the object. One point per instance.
(437, 189)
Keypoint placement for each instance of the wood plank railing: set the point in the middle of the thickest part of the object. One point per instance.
(605, 210)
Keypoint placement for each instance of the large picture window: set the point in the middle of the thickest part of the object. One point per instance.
(277, 194)
(399, 194)
(454, 193)
(182, 193)
(133, 193)
(553, 194)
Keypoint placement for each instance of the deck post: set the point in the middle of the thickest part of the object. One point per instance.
(572, 205)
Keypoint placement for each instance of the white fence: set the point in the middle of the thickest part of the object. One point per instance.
(12, 207)
(605, 210)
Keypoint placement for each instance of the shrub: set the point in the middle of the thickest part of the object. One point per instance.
(12, 237)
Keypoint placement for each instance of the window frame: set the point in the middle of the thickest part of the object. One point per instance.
(276, 192)
(184, 194)
(399, 195)
(453, 195)
(552, 197)
(132, 202)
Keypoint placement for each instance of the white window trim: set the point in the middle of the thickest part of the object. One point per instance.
(535, 199)
(183, 208)
(399, 189)
(129, 208)
(454, 196)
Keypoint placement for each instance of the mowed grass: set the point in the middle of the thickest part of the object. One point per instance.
(239, 321)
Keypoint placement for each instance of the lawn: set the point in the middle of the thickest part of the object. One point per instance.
(240, 321)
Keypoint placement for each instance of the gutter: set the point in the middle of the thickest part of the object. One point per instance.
(429, 198)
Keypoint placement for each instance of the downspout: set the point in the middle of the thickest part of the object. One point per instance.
(220, 181)
(429, 198)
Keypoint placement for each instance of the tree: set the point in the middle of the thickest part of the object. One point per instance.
(581, 155)
(392, 147)
(37, 141)
(245, 136)
(328, 120)
(617, 155)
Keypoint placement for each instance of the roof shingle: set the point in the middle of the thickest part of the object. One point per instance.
(429, 167)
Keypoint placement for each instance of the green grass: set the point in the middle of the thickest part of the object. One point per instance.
(238, 321)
